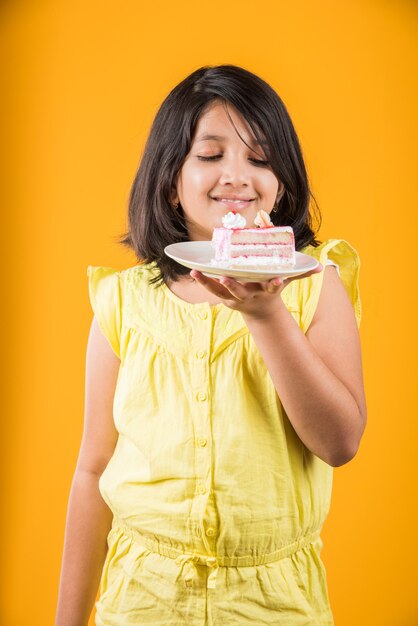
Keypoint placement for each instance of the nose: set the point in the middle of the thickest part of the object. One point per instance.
(235, 171)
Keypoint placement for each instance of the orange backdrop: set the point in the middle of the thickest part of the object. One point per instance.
(83, 81)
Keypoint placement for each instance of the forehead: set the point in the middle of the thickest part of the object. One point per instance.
(216, 125)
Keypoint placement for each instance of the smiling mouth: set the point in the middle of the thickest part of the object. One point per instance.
(237, 203)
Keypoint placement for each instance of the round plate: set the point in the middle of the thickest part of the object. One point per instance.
(197, 255)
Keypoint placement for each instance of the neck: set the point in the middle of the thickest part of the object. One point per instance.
(186, 288)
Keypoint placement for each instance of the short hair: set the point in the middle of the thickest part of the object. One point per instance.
(153, 223)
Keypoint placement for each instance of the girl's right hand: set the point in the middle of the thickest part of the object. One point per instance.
(253, 299)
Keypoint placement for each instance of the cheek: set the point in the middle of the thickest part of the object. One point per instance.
(195, 180)
(270, 183)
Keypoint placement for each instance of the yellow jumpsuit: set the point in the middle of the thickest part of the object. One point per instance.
(218, 505)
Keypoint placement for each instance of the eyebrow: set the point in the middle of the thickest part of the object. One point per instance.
(219, 138)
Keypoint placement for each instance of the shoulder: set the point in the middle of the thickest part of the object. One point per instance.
(336, 249)
(343, 278)
(333, 301)
(117, 298)
(110, 275)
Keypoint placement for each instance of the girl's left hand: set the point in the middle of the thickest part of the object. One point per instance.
(256, 300)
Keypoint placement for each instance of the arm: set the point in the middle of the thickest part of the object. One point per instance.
(318, 376)
(88, 517)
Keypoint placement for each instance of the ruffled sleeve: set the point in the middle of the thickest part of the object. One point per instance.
(106, 302)
(347, 259)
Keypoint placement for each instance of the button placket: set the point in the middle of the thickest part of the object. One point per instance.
(210, 524)
(201, 413)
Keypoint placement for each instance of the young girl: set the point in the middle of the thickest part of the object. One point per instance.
(215, 409)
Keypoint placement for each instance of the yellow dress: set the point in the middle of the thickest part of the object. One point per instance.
(218, 505)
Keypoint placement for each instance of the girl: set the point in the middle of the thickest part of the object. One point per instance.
(215, 409)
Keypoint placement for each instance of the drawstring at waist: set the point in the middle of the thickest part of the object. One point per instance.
(187, 561)
(187, 564)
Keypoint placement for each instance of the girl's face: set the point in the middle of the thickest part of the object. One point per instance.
(221, 174)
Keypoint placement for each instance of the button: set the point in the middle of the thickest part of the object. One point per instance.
(203, 315)
(201, 442)
(210, 532)
(202, 396)
(201, 489)
(201, 354)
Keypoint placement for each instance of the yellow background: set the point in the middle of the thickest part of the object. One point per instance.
(82, 82)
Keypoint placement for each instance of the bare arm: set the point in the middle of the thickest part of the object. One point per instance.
(88, 517)
(318, 376)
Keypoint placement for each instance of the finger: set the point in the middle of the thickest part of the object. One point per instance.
(236, 289)
(273, 285)
(241, 291)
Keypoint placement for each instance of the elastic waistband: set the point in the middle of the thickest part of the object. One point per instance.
(213, 561)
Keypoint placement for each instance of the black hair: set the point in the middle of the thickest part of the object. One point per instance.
(153, 223)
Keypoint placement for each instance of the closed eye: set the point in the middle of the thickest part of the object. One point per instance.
(257, 162)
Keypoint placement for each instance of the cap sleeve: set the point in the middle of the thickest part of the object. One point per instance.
(106, 301)
(341, 253)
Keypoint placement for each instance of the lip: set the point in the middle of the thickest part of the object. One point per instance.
(233, 202)
(234, 197)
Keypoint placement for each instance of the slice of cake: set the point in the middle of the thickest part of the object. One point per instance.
(266, 245)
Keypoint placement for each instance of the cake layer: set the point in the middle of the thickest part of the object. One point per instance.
(283, 251)
(259, 235)
(255, 262)
(261, 246)
(273, 245)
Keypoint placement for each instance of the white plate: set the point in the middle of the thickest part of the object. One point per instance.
(197, 255)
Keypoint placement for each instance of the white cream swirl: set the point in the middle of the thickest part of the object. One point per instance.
(234, 220)
(263, 220)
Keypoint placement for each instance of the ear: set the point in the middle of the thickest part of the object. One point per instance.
(174, 196)
(280, 191)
